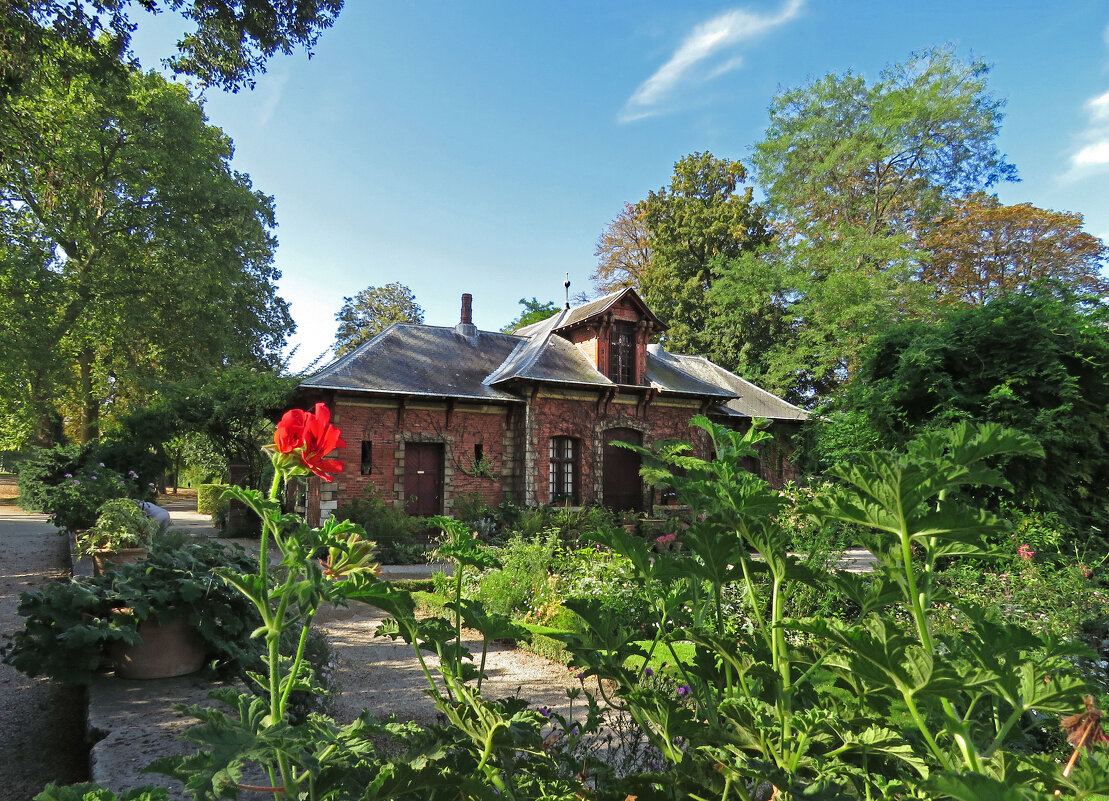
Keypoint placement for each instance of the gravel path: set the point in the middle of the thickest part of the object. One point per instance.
(383, 676)
(42, 737)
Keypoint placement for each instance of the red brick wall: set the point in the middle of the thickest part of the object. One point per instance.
(578, 417)
(469, 424)
(500, 429)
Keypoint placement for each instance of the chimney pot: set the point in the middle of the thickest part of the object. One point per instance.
(467, 311)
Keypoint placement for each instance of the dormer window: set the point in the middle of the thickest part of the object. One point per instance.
(621, 354)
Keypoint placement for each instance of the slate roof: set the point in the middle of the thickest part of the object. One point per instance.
(748, 399)
(462, 362)
(410, 359)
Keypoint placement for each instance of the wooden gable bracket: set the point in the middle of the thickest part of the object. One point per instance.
(705, 405)
(645, 402)
(450, 411)
(534, 394)
(604, 399)
(400, 411)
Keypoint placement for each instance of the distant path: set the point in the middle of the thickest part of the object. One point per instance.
(42, 722)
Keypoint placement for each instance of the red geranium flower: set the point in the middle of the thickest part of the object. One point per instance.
(311, 435)
(290, 431)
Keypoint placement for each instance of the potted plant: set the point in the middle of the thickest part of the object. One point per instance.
(121, 535)
(170, 599)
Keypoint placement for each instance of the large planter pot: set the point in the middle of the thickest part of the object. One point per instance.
(104, 561)
(167, 649)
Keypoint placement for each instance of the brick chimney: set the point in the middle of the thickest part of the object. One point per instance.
(466, 325)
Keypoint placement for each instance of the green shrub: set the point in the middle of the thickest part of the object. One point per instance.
(470, 508)
(524, 586)
(66, 483)
(569, 524)
(121, 524)
(208, 498)
(394, 532)
(606, 578)
(94, 792)
(11, 460)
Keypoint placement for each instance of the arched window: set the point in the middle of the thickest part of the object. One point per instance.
(564, 470)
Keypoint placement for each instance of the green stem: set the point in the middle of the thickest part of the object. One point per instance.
(297, 661)
(458, 613)
(922, 727)
(780, 657)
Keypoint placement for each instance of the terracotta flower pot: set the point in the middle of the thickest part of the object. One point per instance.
(167, 649)
(104, 560)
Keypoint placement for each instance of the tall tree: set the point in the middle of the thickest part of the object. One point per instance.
(623, 251)
(371, 311)
(853, 172)
(980, 249)
(698, 223)
(154, 255)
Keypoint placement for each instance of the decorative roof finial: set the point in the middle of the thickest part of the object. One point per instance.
(566, 284)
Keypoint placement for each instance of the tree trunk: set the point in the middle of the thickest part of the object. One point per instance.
(90, 405)
(47, 430)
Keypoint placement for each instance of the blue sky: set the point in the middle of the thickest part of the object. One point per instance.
(482, 147)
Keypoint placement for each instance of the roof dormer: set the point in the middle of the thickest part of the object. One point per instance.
(613, 332)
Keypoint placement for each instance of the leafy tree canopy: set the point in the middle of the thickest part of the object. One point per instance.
(373, 310)
(623, 251)
(668, 244)
(854, 172)
(533, 312)
(980, 249)
(132, 250)
(1035, 361)
(229, 43)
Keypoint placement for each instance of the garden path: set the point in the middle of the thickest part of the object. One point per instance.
(42, 732)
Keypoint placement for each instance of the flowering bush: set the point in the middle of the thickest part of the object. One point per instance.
(68, 484)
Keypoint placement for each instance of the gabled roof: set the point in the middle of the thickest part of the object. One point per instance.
(410, 359)
(748, 399)
(462, 362)
(568, 318)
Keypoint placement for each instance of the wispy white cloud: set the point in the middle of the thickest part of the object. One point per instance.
(1092, 155)
(693, 60)
(1092, 152)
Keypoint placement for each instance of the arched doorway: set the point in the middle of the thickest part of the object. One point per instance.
(623, 489)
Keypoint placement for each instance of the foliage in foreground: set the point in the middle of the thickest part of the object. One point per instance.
(880, 706)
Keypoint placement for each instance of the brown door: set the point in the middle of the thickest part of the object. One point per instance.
(423, 478)
(623, 488)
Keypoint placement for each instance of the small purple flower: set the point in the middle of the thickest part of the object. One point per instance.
(69, 475)
(94, 476)
(655, 767)
(683, 691)
(132, 473)
(574, 730)
(581, 676)
(648, 672)
(544, 712)
(100, 464)
(76, 482)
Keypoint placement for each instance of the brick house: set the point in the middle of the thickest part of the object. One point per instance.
(429, 413)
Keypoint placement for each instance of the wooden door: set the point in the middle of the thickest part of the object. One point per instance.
(423, 478)
(623, 489)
